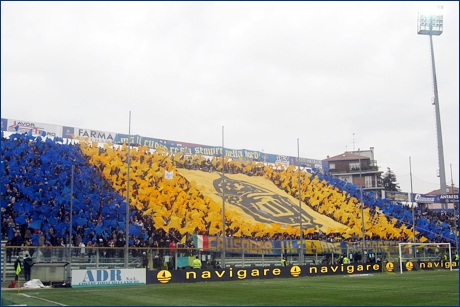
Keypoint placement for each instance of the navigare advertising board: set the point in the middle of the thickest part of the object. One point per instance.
(108, 277)
(245, 273)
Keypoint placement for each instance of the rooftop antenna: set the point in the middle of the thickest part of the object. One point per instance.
(353, 141)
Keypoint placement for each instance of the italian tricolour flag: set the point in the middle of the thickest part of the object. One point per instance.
(201, 242)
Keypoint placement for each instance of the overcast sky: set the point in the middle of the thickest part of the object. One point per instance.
(337, 75)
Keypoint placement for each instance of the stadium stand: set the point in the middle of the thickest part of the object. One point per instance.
(168, 207)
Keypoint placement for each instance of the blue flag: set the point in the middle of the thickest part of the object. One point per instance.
(35, 224)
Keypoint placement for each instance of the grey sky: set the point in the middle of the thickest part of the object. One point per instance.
(270, 72)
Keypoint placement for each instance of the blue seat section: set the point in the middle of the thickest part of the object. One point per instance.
(36, 184)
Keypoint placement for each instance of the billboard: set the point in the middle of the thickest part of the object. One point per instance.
(108, 277)
(95, 135)
(246, 273)
(420, 198)
(423, 198)
(34, 128)
(305, 162)
(447, 198)
(396, 196)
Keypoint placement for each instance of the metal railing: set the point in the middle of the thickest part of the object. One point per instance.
(151, 258)
(182, 258)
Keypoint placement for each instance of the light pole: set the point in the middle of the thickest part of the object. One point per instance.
(455, 211)
(362, 207)
(414, 252)
(412, 204)
(69, 272)
(223, 200)
(127, 198)
(300, 206)
(430, 22)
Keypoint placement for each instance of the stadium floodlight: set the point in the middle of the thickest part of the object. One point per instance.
(431, 22)
(362, 207)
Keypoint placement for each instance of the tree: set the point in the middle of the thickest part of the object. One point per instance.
(389, 181)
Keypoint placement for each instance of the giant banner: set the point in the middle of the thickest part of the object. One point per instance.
(257, 199)
(286, 247)
(194, 149)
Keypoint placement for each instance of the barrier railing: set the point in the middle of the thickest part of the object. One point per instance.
(181, 258)
(151, 258)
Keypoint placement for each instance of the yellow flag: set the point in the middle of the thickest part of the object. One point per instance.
(18, 269)
(184, 239)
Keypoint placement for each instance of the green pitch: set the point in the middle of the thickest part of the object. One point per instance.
(429, 288)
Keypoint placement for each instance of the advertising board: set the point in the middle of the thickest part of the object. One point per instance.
(108, 277)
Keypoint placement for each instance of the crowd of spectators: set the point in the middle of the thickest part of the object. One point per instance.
(39, 175)
(431, 226)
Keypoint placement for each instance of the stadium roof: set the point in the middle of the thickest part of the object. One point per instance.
(448, 190)
(347, 156)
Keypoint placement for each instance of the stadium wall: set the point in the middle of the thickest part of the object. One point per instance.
(126, 277)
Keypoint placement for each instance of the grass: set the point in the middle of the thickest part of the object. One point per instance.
(422, 288)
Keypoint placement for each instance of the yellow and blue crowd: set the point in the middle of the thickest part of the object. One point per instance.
(37, 183)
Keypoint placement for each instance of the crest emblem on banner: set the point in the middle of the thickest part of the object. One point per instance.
(263, 205)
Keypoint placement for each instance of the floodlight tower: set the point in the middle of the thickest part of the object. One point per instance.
(430, 22)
